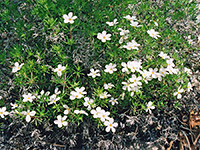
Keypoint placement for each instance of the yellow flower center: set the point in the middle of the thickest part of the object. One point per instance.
(134, 80)
(129, 47)
(153, 34)
(70, 19)
(59, 69)
(79, 92)
(133, 67)
(110, 125)
(152, 72)
(61, 121)
(168, 64)
(18, 68)
(1, 113)
(28, 114)
(103, 116)
(127, 84)
(111, 69)
(178, 92)
(104, 37)
(76, 96)
(29, 98)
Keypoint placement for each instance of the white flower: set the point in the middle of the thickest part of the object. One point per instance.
(135, 65)
(156, 24)
(78, 93)
(189, 87)
(17, 67)
(1, 97)
(188, 71)
(146, 75)
(191, 42)
(122, 38)
(14, 105)
(96, 113)
(28, 115)
(178, 93)
(69, 18)
(127, 85)
(163, 55)
(153, 33)
(61, 121)
(113, 101)
(80, 112)
(111, 125)
(59, 69)
(149, 107)
(3, 112)
(28, 97)
(94, 73)
(135, 24)
(130, 18)
(103, 115)
(110, 68)
(88, 102)
(108, 86)
(172, 70)
(153, 72)
(123, 32)
(112, 23)
(67, 109)
(125, 69)
(131, 45)
(56, 92)
(135, 80)
(104, 95)
(162, 73)
(53, 99)
(103, 36)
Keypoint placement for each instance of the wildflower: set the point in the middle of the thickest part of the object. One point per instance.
(112, 23)
(56, 92)
(163, 55)
(146, 75)
(78, 93)
(104, 95)
(3, 112)
(156, 24)
(127, 86)
(53, 99)
(125, 69)
(130, 18)
(94, 73)
(172, 70)
(111, 125)
(189, 87)
(135, 24)
(132, 45)
(96, 113)
(14, 105)
(135, 80)
(162, 73)
(104, 115)
(123, 37)
(113, 101)
(1, 97)
(191, 42)
(59, 69)
(28, 115)
(135, 65)
(153, 33)
(108, 86)
(188, 71)
(149, 107)
(80, 112)
(88, 102)
(178, 93)
(110, 68)
(103, 36)
(153, 72)
(61, 121)
(67, 109)
(17, 67)
(123, 32)
(69, 18)
(28, 97)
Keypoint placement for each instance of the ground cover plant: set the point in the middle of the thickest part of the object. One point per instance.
(69, 62)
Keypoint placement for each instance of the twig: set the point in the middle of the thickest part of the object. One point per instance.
(187, 140)
(170, 145)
